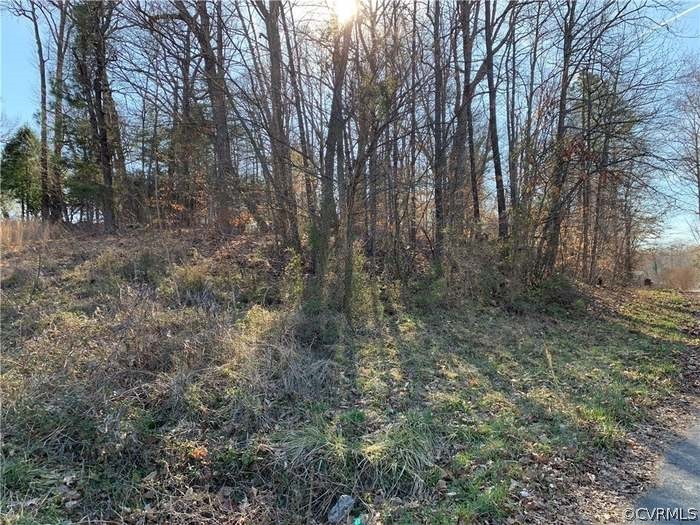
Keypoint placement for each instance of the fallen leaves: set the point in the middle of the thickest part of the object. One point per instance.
(199, 453)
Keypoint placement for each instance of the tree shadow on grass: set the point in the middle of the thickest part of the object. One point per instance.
(307, 410)
(523, 392)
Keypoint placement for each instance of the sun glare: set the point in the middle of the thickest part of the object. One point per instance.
(345, 10)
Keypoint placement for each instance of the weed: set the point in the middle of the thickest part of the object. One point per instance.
(19, 278)
(200, 387)
(292, 287)
(556, 296)
(14, 235)
(402, 452)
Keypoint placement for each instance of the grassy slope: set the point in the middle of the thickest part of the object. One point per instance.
(145, 378)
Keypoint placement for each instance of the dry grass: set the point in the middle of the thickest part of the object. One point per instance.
(14, 235)
(161, 377)
(682, 278)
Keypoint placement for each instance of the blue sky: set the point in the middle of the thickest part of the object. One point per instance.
(19, 78)
(19, 95)
(686, 31)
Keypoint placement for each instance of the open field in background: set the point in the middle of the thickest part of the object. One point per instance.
(170, 377)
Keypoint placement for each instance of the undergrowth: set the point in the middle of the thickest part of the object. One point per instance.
(149, 379)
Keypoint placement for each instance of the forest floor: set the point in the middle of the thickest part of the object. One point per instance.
(175, 378)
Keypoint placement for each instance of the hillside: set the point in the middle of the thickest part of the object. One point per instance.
(177, 378)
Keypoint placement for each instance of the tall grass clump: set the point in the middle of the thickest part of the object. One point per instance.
(15, 234)
(337, 457)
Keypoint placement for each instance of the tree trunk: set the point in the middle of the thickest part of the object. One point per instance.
(333, 140)
(309, 187)
(438, 124)
(115, 136)
(279, 141)
(57, 206)
(513, 142)
(552, 227)
(458, 157)
(215, 79)
(43, 144)
(413, 226)
(493, 129)
(105, 149)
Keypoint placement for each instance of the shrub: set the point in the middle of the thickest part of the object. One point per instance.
(683, 278)
(365, 307)
(194, 285)
(147, 267)
(292, 287)
(430, 292)
(556, 295)
(319, 328)
(112, 268)
(19, 278)
(107, 271)
(476, 269)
